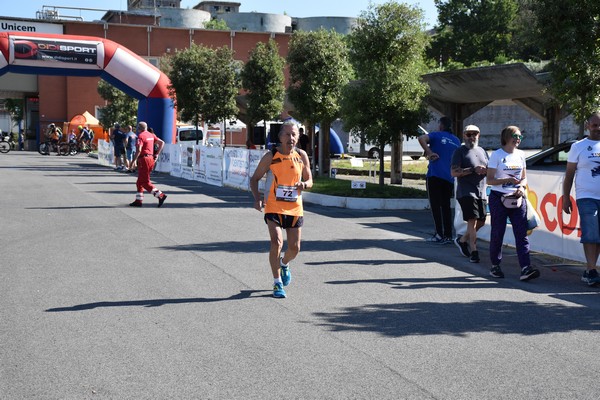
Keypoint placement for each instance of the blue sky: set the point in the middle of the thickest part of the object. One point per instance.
(297, 8)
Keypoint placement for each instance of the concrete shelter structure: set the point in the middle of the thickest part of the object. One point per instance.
(459, 94)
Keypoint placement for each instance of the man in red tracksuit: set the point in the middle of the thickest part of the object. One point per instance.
(145, 158)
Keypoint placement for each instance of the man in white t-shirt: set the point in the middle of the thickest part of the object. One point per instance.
(583, 165)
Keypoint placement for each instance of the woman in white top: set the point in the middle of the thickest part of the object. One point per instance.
(506, 174)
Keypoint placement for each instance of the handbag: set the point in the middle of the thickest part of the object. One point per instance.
(511, 201)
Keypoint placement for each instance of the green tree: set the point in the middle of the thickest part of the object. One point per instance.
(526, 44)
(204, 84)
(120, 107)
(319, 70)
(387, 50)
(262, 77)
(572, 43)
(216, 25)
(473, 30)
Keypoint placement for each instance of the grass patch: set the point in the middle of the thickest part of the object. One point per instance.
(342, 188)
(416, 167)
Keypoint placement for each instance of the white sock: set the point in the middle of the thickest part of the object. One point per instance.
(277, 280)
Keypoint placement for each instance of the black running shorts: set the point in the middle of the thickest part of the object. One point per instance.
(285, 221)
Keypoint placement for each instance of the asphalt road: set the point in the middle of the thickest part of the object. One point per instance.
(102, 301)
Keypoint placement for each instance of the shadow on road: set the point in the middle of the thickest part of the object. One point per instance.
(461, 319)
(244, 294)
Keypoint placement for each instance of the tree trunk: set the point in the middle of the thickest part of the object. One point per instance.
(310, 127)
(250, 135)
(381, 167)
(363, 147)
(324, 158)
(396, 166)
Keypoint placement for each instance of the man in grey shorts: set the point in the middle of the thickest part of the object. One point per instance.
(469, 167)
(583, 168)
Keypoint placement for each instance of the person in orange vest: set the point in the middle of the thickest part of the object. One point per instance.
(290, 174)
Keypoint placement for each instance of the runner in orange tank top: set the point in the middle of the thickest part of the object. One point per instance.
(289, 175)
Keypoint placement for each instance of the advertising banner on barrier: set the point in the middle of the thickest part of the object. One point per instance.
(187, 161)
(175, 160)
(163, 163)
(254, 157)
(41, 52)
(105, 153)
(559, 233)
(199, 161)
(235, 168)
(213, 161)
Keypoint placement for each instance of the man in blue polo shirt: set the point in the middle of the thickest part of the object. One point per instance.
(439, 147)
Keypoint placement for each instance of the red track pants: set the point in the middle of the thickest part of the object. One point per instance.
(145, 165)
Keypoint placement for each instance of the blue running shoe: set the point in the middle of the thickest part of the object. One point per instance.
(278, 291)
(286, 273)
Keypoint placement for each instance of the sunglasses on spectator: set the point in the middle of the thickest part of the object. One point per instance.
(471, 134)
(517, 136)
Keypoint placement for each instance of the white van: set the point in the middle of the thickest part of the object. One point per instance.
(411, 148)
(211, 135)
(189, 134)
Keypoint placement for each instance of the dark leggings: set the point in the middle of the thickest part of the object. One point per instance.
(518, 220)
(440, 192)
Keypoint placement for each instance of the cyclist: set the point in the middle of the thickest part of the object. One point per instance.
(84, 136)
(54, 134)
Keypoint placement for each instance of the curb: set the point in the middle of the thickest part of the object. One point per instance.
(357, 203)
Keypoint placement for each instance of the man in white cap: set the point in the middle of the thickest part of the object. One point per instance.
(469, 167)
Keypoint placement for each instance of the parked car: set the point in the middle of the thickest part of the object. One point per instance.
(410, 147)
(551, 159)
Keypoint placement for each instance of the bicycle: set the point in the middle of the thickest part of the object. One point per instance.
(62, 149)
(84, 147)
(7, 144)
(73, 148)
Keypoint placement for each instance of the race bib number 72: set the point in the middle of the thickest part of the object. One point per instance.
(286, 193)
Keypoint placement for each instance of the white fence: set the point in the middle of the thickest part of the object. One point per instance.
(558, 234)
(232, 166)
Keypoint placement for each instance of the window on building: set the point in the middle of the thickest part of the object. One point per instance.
(153, 60)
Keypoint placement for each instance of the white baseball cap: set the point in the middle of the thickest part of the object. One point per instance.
(471, 128)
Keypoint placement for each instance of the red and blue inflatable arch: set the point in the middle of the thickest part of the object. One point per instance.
(69, 55)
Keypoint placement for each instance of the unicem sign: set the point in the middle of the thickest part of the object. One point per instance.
(9, 25)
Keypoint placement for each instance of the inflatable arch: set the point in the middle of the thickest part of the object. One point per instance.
(69, 55)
